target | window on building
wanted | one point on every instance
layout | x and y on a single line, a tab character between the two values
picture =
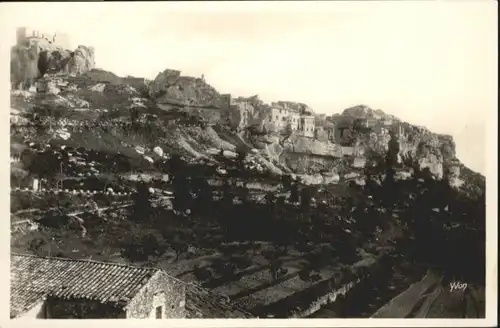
159	312
277	117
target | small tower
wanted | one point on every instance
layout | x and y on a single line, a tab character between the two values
21	34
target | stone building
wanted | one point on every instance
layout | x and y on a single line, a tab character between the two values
45	288
66	288
279	116
236	112
245	110
284	114
56	38
294	120
307	126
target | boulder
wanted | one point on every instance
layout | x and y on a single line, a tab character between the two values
229	154
158	151
433	163
359	163
213	151
331	178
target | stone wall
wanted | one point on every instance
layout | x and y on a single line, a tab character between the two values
36	312
82	309
306	126
326	299
56	38
161	290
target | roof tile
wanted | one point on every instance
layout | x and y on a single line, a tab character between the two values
34	277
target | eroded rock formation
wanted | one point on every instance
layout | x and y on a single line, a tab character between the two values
169	87
34	57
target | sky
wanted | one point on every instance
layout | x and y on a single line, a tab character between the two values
429	63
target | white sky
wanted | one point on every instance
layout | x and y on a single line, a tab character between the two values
429	63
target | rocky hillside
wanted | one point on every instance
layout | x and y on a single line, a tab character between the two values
99	110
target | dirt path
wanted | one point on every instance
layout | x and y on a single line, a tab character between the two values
427	303
79	212
415	301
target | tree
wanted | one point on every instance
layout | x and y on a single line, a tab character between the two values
227	196
242	153
182	195
18	175
44	165
139	247
294	193
286	179
142	209
274	268
305	199
177	240
175	165
284	237
204	194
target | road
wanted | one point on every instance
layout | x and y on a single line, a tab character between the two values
80	212
416	301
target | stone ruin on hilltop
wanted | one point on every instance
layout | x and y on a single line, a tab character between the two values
37	53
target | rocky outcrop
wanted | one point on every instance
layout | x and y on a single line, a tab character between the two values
300	144
365	112
433	151
169	87
429	150
36	57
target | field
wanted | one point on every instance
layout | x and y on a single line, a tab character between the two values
230	249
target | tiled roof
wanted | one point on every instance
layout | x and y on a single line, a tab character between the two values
33	278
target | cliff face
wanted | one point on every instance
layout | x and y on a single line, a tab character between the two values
433	151
369	130
369	134
35	57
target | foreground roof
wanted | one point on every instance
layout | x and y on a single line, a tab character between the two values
33	278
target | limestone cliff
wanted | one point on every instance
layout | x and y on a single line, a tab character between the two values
35	57
371	133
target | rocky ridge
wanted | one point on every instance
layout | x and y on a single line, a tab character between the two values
69	79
